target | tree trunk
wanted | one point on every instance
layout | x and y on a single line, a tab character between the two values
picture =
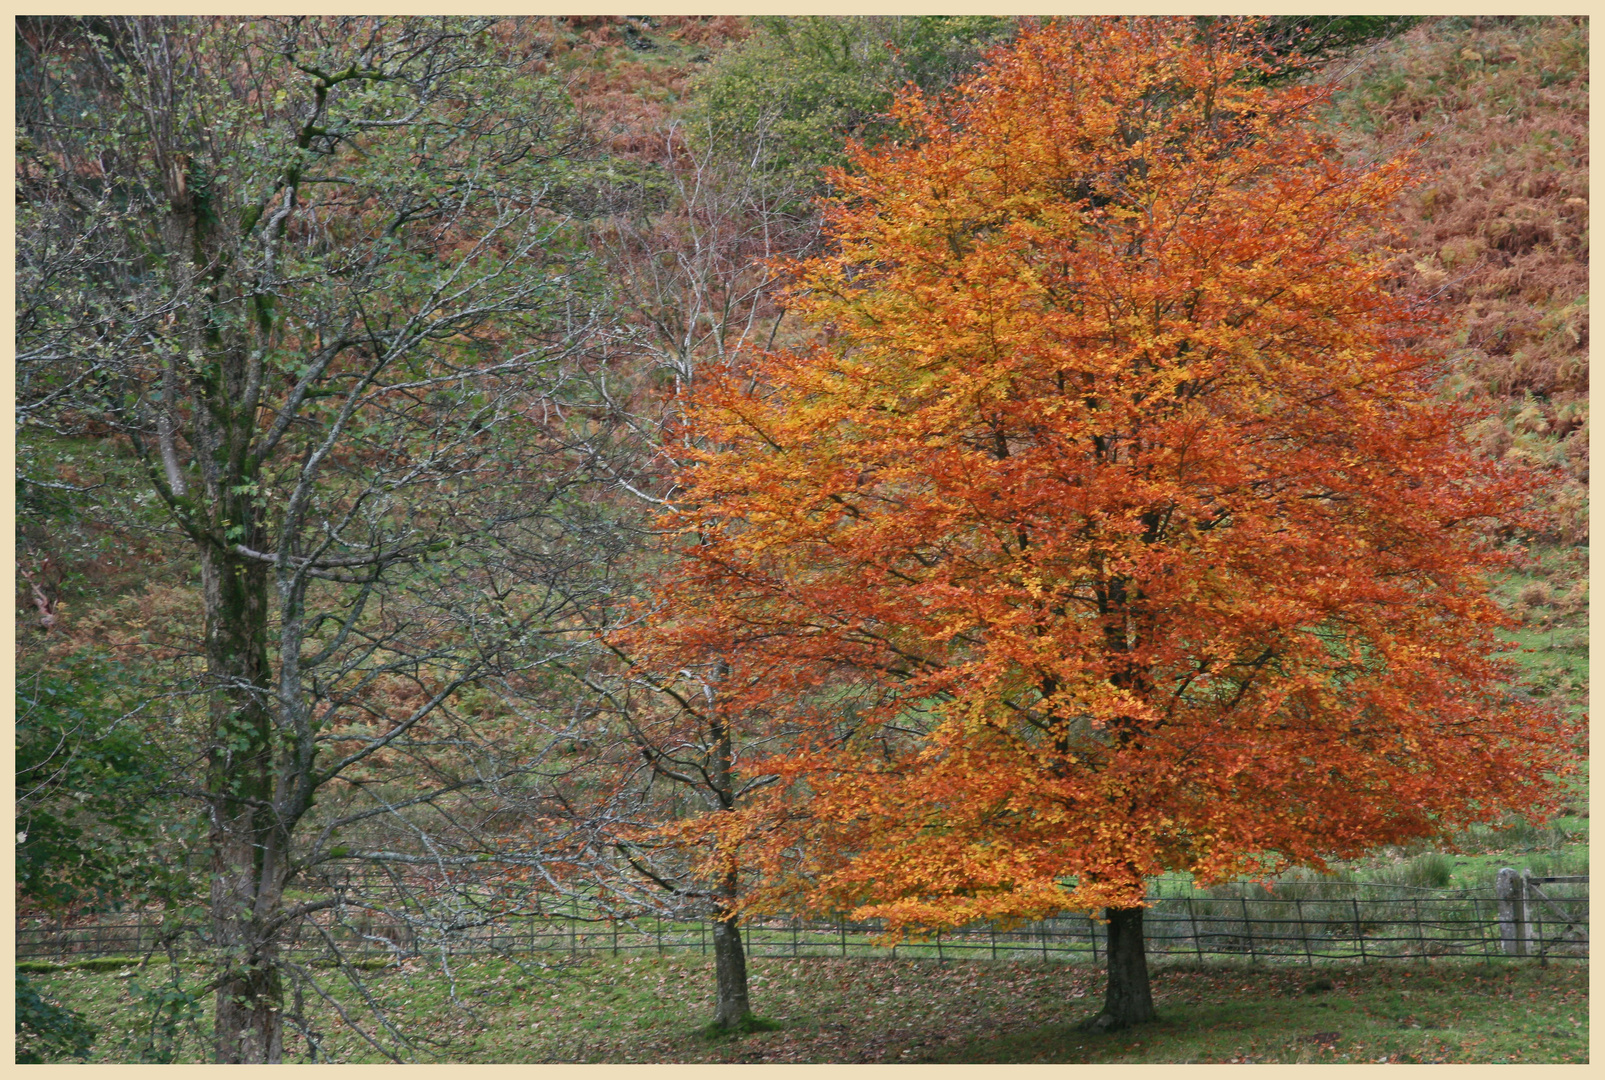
730	966
246	846
729	957
250	1016
1127	1000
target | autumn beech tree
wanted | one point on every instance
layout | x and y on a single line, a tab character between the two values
1111	524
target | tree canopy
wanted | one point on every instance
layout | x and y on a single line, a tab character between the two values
1112	523
792	95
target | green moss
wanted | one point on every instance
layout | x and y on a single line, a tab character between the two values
746	1026
107	963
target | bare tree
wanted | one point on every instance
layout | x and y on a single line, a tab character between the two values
312	271
693	281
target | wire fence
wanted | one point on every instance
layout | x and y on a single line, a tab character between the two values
1524	916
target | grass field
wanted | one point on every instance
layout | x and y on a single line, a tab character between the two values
651	1009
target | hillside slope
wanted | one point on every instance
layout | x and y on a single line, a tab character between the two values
1498	111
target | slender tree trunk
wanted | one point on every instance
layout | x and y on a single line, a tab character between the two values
730	967
1127	1000
729	956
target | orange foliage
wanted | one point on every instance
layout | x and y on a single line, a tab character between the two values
1112	526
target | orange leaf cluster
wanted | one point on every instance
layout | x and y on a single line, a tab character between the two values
1112	524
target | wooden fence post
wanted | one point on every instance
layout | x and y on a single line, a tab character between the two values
1512	912
1248	929
1482	929
1532	919
1359	931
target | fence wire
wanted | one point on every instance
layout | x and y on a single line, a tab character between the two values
1314	927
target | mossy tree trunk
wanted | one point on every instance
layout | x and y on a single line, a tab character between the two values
248	837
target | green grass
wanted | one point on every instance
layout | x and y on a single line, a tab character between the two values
1393	1013
716	1032
1559	847
646	1007
656	1009
1549	594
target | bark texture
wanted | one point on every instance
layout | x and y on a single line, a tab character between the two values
250	1024
729	957
730	966
247	839
1128	999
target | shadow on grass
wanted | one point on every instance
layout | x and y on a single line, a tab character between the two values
1071	1042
